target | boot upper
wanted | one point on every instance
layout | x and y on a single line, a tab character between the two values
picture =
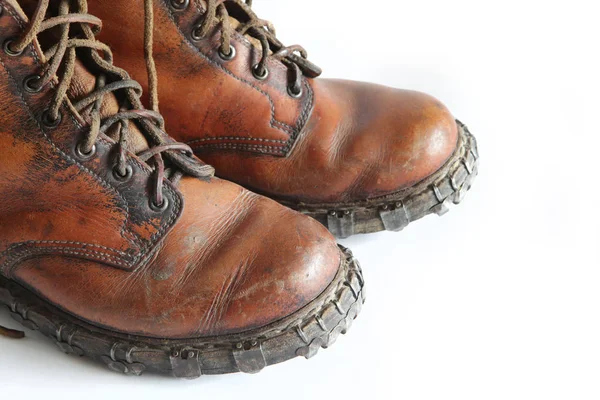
210	259
334	141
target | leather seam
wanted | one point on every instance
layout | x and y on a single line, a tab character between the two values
234	146
237	139
293	132
242	40
65	242
12	262
197	142
69	250
305	115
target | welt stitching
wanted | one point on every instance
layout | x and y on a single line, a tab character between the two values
293	131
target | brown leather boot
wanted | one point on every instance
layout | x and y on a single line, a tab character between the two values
116	242
357	157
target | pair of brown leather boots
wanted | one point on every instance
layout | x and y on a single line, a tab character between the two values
121	245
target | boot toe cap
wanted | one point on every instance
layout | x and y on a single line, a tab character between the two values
395	139
298	262
424	137
265	262
368	140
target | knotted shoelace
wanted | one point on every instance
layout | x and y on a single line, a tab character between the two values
61	58
217	14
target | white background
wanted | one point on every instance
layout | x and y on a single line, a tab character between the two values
500	298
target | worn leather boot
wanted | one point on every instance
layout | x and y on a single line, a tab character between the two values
117	243
357	157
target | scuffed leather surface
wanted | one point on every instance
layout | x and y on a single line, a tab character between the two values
219	260
234	262
359	141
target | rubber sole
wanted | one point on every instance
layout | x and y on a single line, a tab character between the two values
434	195
316	326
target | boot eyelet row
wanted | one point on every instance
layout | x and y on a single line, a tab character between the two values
82	155
49	122
228	57
159	208
260	75
179	5
10	51
123	178
29	84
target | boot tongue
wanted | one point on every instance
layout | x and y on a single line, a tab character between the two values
235	23
255	42
83	83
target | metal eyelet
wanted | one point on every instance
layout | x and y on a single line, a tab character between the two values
49	122
228	57
180	5
29	84
123	178
196	33
293	94
10	51
258	75
83	155
159	208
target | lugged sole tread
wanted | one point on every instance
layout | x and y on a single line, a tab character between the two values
434	195
316	326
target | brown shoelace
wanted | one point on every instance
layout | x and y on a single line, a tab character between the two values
62	56
11	333
217	14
